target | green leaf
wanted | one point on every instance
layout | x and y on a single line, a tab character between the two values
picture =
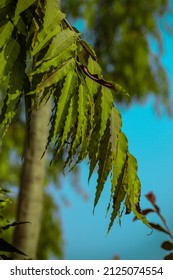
95	69
5	33
51	27
89	49
60	49
105	164
21	7
3	63
56	76
118	196
11	53
64	101
12	99
70	122
8	57
115	129
43	39
60	43
106	104
133	188
120	149
82	118
52	12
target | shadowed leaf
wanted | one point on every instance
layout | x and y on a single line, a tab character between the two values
169	257
167	245
158	227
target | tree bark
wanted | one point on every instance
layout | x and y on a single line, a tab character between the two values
30	199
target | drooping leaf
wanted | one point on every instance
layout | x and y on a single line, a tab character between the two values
64	100
82	117
118	196
119	159
133	191
105	164
106	104
70	122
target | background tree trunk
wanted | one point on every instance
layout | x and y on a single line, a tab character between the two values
30	200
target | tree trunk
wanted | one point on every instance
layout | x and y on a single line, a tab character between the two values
30	200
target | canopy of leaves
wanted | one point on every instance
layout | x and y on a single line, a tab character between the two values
43	56
122	32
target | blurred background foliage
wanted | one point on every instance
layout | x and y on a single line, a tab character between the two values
121	32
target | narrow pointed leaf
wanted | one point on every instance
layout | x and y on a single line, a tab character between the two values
118	196
106	105
80	134
121	148
105	164
11	53
5	33
70	121
94	68
64	101
55	76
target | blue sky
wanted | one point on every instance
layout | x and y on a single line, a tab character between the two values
150	141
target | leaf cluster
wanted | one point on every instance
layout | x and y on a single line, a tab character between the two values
42	56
